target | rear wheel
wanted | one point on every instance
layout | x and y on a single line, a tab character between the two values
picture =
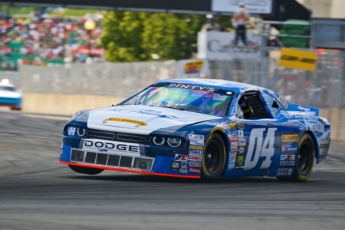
305	159
214	158
83	170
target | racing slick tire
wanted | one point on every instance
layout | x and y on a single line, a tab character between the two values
304	160
83	170
213	158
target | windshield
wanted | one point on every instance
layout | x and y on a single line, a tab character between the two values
8	88
198	99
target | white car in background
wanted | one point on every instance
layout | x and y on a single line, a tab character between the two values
9	96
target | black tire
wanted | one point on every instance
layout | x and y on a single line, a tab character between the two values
83	170
214	158
304	160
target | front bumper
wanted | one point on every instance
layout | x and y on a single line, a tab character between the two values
151	160
11	102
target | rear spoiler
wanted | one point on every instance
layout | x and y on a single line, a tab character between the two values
310	110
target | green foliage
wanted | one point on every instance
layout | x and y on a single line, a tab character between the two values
224	22
134	36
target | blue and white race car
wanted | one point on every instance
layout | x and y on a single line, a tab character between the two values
199	128
9	96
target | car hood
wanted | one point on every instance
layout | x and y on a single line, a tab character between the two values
9	94
142	119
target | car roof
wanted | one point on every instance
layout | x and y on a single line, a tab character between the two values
7	84
219	83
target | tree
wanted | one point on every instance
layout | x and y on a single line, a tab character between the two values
134	36
122	37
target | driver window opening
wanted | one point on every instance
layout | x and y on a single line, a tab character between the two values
275	105
252	106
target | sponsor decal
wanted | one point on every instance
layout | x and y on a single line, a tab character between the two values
240	160
283	101
111	146
234	146
194	158
234	137
179	157
71	130
193	152
240	133
183	168
241	149
115	119
288	147
284	172
193	87
232	125
196	147
194	163
194	170
297	115
260	146
175	166
223	125
241	142
290	138
324	143
196	139
232	156
287	160
240	125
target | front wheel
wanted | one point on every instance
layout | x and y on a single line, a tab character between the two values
304	160
214	158
83	170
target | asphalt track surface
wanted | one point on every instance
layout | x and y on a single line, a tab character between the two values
38	193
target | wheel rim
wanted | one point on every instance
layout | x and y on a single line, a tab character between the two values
212	157
304	160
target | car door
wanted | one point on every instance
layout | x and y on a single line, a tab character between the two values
259	134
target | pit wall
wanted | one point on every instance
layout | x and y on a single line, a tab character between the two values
62	104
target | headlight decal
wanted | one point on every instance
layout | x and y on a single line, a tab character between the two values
72	130
174	141
158	140
81	131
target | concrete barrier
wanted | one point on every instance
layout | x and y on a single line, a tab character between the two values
69	104
64	104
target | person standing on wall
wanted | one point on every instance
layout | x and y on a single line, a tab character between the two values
239	22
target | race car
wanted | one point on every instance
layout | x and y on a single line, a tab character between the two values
199	128
9	96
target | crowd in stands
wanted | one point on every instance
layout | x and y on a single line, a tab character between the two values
43	40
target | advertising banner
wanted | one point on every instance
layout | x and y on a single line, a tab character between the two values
253	6
193	66
218	46
298	59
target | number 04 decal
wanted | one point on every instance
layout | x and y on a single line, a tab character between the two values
260	148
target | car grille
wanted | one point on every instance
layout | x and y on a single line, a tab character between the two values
124	137
133	162
101	134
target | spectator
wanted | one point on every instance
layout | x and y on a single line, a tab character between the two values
39	40
239	20
211	24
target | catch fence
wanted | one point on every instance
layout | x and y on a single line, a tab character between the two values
323	88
